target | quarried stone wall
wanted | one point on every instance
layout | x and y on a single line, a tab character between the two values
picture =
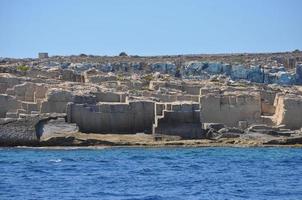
125	118
8	104
288	111
230	108
179	119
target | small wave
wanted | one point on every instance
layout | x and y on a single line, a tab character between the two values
55	160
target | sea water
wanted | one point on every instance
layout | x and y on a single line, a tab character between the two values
151	173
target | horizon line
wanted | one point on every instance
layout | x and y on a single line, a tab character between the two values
160	55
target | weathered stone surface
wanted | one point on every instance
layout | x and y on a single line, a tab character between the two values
16	132
168	68
26	130
132	94
181	119
288	111
215	126
70	75
8	103
299	74
57	126
230	108
132	117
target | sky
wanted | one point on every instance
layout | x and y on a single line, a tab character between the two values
148	27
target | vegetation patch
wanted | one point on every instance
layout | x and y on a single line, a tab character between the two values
23	68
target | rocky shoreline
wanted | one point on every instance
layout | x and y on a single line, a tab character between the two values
152	101
144	140
53	131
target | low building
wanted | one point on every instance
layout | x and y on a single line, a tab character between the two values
43	55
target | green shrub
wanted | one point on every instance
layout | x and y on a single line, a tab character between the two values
23	68
120	77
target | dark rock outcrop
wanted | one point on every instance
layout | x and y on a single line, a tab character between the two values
17	132
25	131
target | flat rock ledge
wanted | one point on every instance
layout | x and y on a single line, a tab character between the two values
146	140
52	130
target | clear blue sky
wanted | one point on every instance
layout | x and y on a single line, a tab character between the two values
148	27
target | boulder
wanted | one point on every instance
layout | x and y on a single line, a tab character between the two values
214	126
26	130
57	126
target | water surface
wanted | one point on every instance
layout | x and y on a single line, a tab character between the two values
151	173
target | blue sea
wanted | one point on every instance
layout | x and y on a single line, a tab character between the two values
151	173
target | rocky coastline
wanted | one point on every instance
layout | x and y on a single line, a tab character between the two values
26	132
188	100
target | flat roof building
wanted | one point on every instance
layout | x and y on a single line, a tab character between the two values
43	55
